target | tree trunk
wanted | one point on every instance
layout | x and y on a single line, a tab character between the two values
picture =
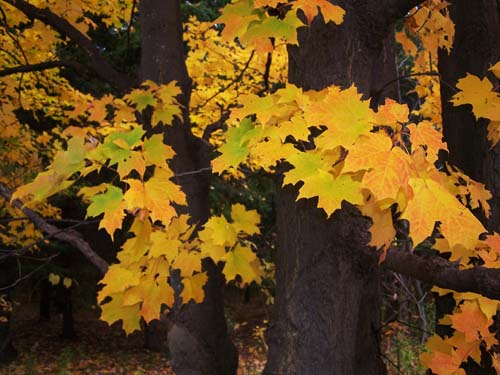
197	338
475	49
326	318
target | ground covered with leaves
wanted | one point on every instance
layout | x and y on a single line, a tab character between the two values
100	349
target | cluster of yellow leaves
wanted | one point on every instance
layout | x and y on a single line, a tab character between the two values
224	70
79	12
144	280
356	155
160	240
249	21
425	30
474	314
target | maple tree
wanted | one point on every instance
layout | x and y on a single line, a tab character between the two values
343	151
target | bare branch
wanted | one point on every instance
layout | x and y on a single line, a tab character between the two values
399	8
97	61
444	274
71	237
43	66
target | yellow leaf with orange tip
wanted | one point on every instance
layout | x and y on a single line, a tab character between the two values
345	115
236	17
391	114
193	287
390	176
242	261
368	151
493	241
471	321
114	310
430	203
311	8
442	358
156	195
479	196
425	135
382	230
465	348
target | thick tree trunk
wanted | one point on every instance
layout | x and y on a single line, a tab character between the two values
475	49
197	338
326	317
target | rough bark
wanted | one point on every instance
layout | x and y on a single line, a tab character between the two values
475	49
326	317
197	337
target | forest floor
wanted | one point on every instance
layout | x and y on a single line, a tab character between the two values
100	349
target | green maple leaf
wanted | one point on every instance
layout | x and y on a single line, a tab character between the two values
118	146
110	203
235	150
142	99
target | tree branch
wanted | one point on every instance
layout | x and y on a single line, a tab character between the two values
399	8
97	61
43	66
71	237
444	274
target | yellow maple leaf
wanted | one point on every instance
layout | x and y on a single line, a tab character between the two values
345	115
155	195
471	321
425	135
114	310
193	287
117	280
382	230
311	9
476	92
242	261
244	220
188	262
163	245
219	231
431	202
331	191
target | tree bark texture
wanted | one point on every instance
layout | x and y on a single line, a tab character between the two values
326	319
476	47
197	336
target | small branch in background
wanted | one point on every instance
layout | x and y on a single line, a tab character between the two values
219	124
69	236
29	274
80	68
223	89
